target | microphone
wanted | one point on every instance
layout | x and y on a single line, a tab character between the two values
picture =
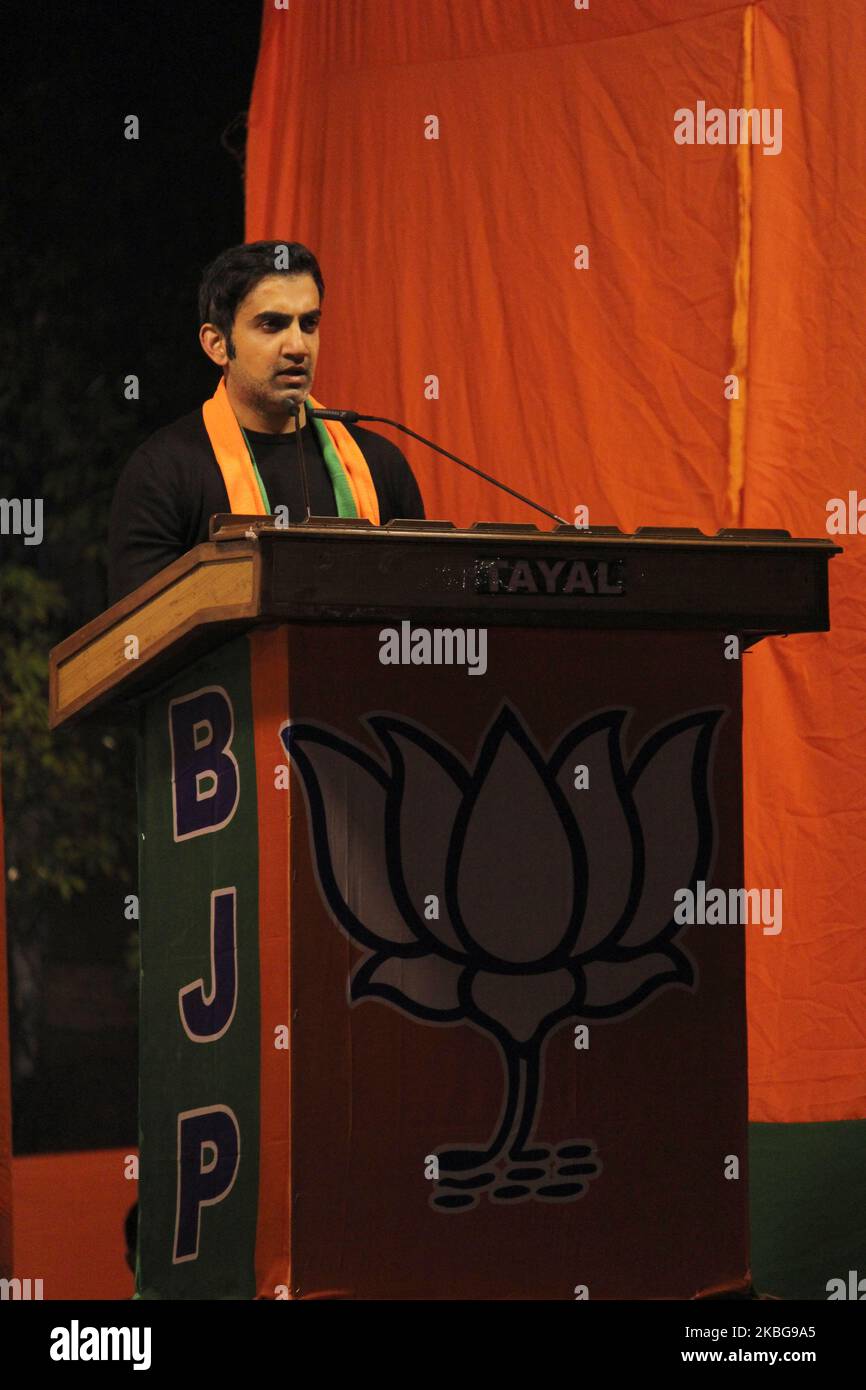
295	412
351	417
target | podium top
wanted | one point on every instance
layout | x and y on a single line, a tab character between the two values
335	570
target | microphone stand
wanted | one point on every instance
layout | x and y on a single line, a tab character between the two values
295	412
350	417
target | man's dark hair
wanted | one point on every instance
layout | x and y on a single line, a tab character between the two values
228	280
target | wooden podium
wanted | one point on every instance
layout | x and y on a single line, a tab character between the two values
432	1003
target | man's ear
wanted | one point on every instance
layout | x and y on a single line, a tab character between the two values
214	344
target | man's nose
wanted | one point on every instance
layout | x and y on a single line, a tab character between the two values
293	344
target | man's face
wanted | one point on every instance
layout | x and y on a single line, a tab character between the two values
276	344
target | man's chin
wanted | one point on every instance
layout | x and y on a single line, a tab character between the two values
282	403
289	393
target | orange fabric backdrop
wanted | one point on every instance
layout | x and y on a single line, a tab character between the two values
453	303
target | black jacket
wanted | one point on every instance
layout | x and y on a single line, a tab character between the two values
172	486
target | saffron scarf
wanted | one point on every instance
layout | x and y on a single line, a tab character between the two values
347	468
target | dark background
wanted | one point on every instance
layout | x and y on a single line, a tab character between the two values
102	244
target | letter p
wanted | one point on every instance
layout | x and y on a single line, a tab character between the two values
208	1156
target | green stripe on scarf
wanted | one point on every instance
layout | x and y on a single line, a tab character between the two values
336	472
266	502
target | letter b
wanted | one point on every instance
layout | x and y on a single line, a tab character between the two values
204	772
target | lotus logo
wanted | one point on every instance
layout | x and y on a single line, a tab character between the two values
504	897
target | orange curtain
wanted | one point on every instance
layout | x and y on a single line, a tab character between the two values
447	162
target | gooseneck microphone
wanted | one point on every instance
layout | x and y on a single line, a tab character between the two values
351	417
295	412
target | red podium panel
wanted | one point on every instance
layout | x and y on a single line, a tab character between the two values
486	975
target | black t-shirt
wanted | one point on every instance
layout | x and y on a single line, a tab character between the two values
172	486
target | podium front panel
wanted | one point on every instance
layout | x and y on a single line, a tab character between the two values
432	1004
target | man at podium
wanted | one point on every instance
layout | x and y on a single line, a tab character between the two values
260	307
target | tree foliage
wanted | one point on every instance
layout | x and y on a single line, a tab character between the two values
64	430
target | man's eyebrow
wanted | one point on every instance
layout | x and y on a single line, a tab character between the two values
279	317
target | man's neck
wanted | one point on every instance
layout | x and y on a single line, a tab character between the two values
278	423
